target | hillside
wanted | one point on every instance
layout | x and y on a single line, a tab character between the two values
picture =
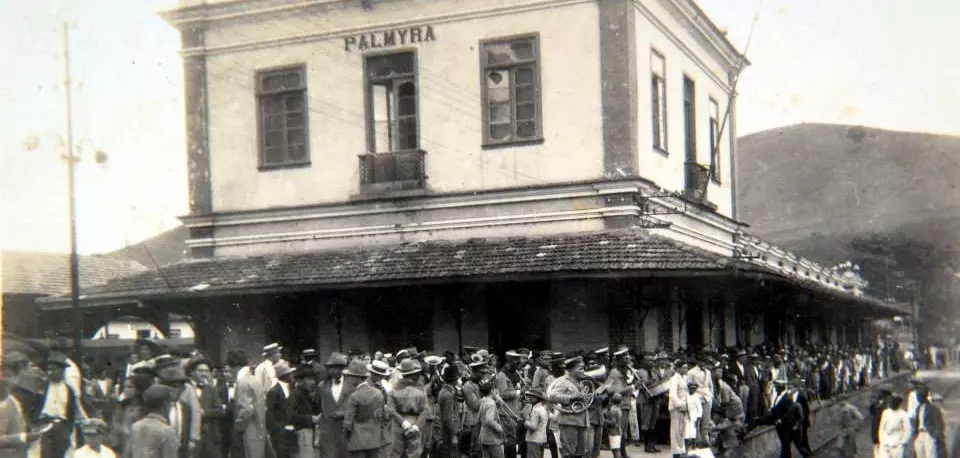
821	190
164	248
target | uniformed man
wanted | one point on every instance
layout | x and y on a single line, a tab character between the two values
573	426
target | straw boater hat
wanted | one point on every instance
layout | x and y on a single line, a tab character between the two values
337	359
409	366
602	351
433	360
513	355
272	349
476	361
309	354
622	351
379	368
356	368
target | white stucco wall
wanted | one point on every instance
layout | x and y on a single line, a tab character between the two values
449	79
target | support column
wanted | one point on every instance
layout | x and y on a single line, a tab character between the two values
197	131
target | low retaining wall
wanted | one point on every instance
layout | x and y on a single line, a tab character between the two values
763	441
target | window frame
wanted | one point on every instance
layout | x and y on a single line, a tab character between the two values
259	94
690	140
486	141
368	99
659	113
714	131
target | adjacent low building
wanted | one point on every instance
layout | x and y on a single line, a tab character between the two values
520	173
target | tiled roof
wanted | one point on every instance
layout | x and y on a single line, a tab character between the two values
49	273
627	250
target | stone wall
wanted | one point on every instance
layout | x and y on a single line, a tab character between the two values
763	442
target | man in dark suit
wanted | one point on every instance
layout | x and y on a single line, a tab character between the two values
282	432
790	417
213	406
366	421
930	441
333	392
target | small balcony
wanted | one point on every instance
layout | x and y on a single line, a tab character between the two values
697	180
392	172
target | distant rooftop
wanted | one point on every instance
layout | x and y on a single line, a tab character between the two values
49	273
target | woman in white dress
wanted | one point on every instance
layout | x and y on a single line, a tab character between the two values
894	430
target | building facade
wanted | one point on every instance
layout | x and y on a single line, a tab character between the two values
538	173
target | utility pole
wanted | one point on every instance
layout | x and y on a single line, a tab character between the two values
71	159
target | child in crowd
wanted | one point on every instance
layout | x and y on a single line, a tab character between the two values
93	431
536	424
694	414
612	417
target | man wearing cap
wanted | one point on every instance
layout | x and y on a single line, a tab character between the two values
61	402
265	373
623	381
93	430
14	437
409	410
573	426
153	437
250	437
649	374
543	371
366	420
334	391
471	398
283	435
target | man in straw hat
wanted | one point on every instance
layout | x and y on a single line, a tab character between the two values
480	369
411	412
366	420
573	426
341	380
677	404
265	373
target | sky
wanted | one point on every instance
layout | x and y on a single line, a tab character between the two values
885	64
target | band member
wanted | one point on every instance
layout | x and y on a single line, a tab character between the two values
573	426
535	424
651	374
471	398
542	371
366	419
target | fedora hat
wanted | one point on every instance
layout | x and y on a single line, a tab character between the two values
304	371
409	366
282	369
379	368
337	359
156	395
356	368
164	360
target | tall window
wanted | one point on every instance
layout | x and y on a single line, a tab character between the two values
714	138
658	101
282	104
690	119
392	93
511	91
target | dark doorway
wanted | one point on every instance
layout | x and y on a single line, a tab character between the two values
399	318
772	328
291	321
694	325
518	315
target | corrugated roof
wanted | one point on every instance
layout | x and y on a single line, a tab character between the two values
49	273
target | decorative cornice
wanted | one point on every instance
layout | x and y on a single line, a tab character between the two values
535	5
710	32
670	35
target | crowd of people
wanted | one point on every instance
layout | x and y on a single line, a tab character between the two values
474	403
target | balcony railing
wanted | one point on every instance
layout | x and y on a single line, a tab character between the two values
397	171
698	178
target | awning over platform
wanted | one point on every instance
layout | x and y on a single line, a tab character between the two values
621	253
